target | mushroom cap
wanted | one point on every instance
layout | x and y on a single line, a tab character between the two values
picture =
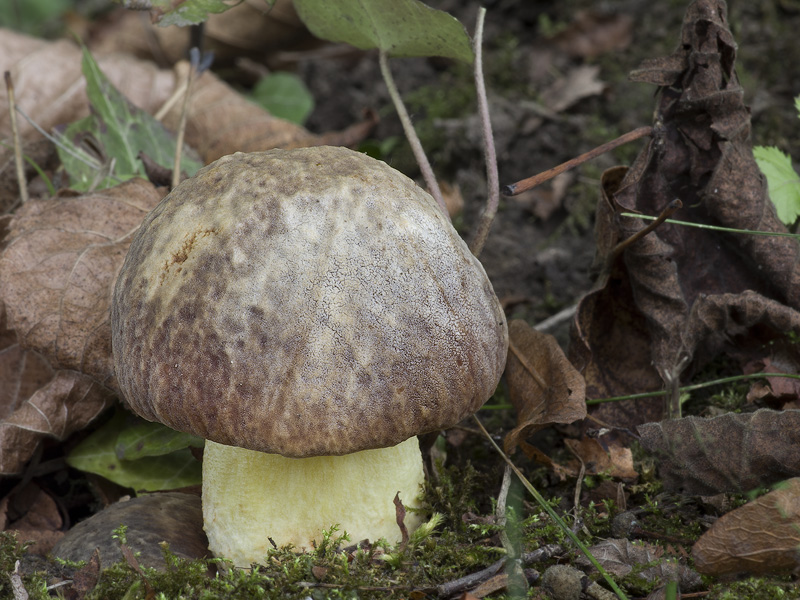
304	302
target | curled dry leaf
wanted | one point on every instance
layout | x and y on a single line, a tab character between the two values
62	406
58	264
610	344
759	538
729	453
544	386
671	281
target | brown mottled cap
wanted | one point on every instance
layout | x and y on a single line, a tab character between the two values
304	302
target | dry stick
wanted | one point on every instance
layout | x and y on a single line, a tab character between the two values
626	243
411	135
492	180
176	165
12	113
463	584
532	182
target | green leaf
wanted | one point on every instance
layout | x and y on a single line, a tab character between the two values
97	454
398	27
144	438
797	104
285	96
103	149
783	182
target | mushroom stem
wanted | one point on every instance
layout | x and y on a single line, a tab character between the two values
251	497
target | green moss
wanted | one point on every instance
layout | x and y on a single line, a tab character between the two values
755	589
11	551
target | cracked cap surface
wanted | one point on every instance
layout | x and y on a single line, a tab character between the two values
304	302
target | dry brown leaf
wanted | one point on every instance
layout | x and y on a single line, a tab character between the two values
620	557
58	264
729	453
612	458
221	121
682	295
252	28
22	371
593	33
39	519
579	83
64	405
544	387
610	343
761	537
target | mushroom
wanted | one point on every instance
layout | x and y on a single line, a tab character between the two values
308	312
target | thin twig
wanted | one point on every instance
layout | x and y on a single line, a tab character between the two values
468	582
532	182
670	209
411	135
176	164
492	179
12	114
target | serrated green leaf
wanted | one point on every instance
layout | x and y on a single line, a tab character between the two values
285	96
783	182
97	454
111	138
143	438
399	27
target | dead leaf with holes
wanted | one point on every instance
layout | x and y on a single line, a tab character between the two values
762	537
729	453
544	387
680	296
58	263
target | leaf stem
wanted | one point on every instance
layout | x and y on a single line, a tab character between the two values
492	179
693	387
713	227
531	182
411	135
22	182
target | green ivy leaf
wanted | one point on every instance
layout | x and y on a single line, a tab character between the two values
143	438
98	454
398	27
110	139
285	96
782	179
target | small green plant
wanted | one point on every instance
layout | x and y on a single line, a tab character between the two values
782	179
